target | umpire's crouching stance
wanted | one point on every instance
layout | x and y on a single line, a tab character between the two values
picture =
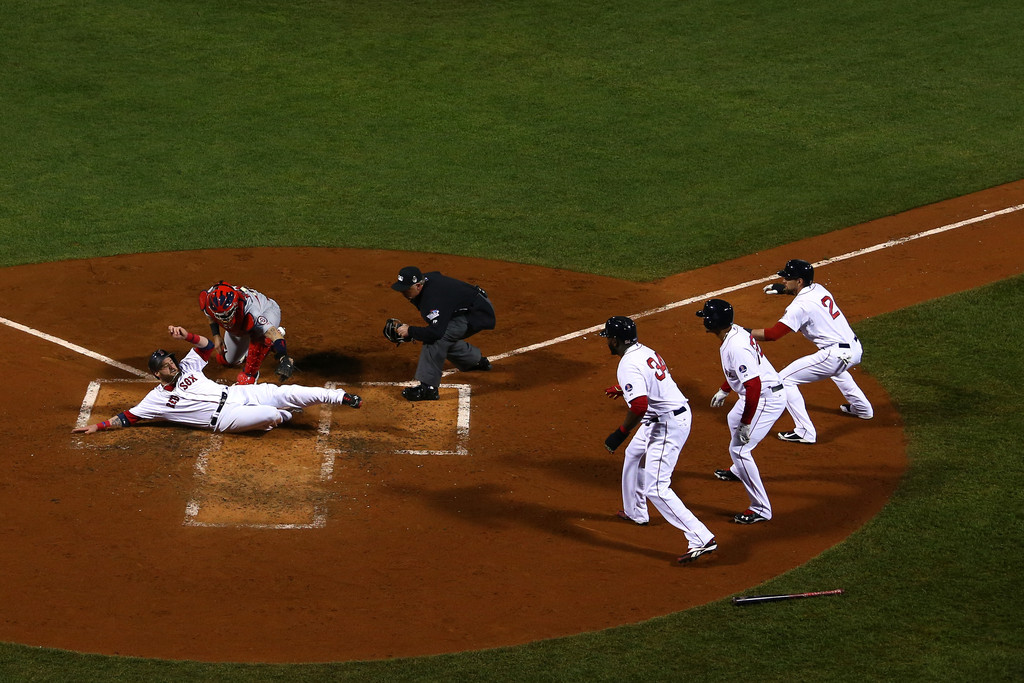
453	311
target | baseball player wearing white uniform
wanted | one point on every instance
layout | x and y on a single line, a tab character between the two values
751	375
186	396
660	410
815	313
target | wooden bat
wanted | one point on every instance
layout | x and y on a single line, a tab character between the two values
752	599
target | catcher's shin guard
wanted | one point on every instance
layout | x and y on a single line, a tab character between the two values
254	359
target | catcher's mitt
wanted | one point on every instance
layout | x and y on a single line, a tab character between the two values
285	367
391	331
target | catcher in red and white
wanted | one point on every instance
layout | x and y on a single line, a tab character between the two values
251	328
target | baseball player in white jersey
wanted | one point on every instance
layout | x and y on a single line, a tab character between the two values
657	405
751	375
186	396
815	313
251	324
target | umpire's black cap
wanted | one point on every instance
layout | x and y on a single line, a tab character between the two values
407	277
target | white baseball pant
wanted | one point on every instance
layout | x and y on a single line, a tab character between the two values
261	407
769	409
824	363
657	446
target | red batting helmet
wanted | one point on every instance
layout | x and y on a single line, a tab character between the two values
222	300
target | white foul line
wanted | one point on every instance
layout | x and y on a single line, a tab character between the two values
708	295
74	347
595	328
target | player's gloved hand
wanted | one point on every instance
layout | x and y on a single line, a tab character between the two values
285	367
844	357
613	392
718	400
352	400
615	440
777	288
743	434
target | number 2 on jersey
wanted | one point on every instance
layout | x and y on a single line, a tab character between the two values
658	366
827	302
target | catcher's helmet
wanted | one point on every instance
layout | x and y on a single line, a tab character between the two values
222	300
795	268
156	359
620	327
717	314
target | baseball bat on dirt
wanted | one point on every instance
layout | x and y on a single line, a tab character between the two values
752	599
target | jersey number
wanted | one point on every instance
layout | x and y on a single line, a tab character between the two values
757	349
658	366
827	302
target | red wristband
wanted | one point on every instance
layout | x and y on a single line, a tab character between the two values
102	425
192	339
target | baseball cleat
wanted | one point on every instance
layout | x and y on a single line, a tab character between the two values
726	475
845	409
623	516
693	553
422	392
793	437
749	517
246	379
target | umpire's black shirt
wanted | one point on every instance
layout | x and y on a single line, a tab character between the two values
441	299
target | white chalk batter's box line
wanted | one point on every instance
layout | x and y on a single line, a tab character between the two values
329	455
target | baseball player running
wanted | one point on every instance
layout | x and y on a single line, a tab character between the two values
186	396
815	313
750	374
251	323
656	404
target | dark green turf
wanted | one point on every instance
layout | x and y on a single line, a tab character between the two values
634	141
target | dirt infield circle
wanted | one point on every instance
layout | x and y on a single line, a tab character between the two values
486	519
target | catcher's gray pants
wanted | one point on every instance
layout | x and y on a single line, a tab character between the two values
451	346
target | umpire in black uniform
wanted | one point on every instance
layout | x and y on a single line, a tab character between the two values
453	311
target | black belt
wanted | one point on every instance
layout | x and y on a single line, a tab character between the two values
776	388
220	407
655	418
846	346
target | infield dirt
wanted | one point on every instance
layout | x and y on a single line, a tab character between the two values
512	541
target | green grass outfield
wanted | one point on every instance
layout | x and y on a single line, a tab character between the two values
595	136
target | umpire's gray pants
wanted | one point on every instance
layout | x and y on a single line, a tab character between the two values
451	345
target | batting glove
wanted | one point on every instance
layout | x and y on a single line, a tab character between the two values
613	392
777	288
718	400
615	440
743	434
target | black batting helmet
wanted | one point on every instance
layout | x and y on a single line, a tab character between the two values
156	359
795	268
717	314
620	327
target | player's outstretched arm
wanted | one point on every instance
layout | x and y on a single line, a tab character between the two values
116	422
197	340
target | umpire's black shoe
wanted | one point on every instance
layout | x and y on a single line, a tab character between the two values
423	392
483	365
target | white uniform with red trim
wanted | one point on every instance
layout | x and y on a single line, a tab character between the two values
742	361
657	443
197	400
815	314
